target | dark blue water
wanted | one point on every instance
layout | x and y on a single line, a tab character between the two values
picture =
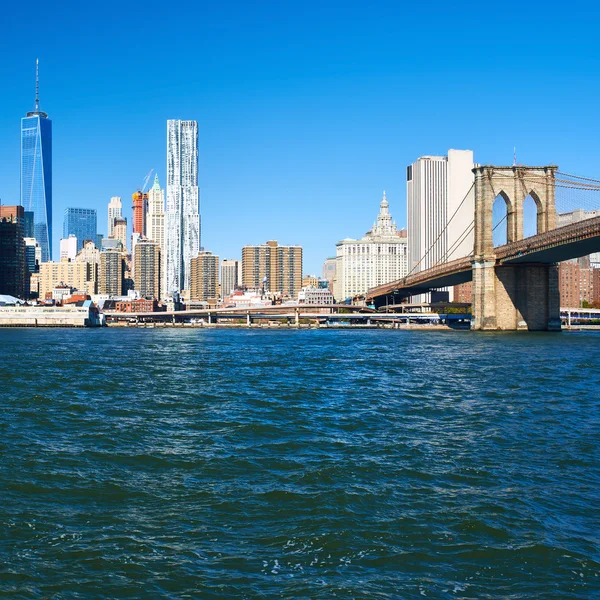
299	464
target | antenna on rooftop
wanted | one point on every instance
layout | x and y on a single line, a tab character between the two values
37	85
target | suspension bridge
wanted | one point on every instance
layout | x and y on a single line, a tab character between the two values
514	284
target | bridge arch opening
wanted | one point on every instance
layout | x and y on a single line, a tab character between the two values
532	215
501	211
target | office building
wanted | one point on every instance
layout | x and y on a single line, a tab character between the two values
33	255
273	268
82	223
204	280
138	212
182	218
328	270
36	172
120	231
68	248
147	269
13	271
28	224
440	208
115	210
229	276
155	224
89	254
379	257
111	277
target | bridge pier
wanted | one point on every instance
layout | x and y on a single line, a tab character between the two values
520	296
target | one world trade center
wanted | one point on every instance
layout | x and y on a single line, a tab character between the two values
36	172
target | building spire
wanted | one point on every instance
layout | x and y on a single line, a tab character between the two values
37	85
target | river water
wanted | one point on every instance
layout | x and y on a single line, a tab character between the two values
299	464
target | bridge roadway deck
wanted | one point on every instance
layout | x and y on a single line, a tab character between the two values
261	312
563	243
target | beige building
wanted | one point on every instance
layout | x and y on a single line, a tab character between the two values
274	268
120	230
89	253
111	277
79	275
155	224
147	269
205	278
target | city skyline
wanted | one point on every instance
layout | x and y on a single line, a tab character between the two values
325	109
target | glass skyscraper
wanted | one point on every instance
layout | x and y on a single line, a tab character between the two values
36	173
82	223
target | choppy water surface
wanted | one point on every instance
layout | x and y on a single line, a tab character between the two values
299	464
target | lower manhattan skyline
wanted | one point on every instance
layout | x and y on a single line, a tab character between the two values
319	107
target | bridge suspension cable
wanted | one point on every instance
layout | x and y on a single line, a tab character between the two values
443	230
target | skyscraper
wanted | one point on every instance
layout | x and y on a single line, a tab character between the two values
138	212
36	171
440	205
115	209
155	224
229	276
82	223
13	270
182	222
147	278
204	279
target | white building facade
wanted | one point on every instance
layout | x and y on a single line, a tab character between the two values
182	217
379	257
115	209
155	224
440	207
68	248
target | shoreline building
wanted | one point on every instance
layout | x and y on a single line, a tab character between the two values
229	276
82	223
147	269
115	210
36	172
273	268
378	258
182	217
204	285
440	207
13	269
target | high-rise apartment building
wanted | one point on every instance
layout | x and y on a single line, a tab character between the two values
138	212
377	258
78	275
13	271
440	208
120	230
82	223
147	269
36	172
115	210
182	219
328	271
273	268
204	280
111	278
229	276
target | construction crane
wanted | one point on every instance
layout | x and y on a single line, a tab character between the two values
146	180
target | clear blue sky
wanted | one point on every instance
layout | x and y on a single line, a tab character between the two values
306	110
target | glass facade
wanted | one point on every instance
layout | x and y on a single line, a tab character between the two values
82	223
36	176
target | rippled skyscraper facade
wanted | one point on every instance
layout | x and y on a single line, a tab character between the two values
182	217
36	174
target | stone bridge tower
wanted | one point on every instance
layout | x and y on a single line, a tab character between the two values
518	295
